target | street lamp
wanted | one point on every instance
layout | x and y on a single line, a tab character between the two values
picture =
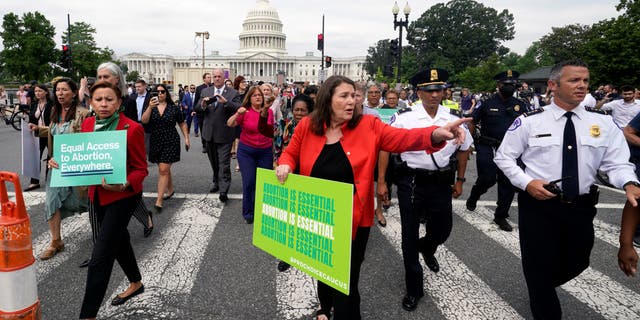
400	23
204	35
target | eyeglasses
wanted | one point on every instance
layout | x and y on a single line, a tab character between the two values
162	91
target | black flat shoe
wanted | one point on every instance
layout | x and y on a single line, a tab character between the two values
223	197
84	264
32	187
120	300
410	303
147	231
158	208
283	266
432	263
169	196
382	223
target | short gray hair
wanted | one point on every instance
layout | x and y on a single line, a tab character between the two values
116	72
556	71
372	84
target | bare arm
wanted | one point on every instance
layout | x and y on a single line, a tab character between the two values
631	135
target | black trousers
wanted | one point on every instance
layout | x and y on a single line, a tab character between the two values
112	244
220	159
422	199
488	175
555	241
346	306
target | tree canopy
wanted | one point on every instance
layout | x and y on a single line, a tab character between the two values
86	55
460	34
28	47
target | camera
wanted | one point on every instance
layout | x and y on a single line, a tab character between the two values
212	100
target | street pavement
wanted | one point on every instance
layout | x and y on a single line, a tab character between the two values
200	263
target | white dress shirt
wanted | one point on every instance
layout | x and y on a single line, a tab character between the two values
621	112
538	139
419	118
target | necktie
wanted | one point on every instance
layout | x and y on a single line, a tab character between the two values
570	186
218	92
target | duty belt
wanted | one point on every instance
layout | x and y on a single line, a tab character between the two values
444	175
489	141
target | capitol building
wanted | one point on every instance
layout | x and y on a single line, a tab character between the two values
262	56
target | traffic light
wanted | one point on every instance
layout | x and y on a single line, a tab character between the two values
388	71
327	61
320	41
65	60
393	47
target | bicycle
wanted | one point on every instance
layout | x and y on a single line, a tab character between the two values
12	115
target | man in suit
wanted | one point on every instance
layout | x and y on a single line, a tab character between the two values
187	102
141	97
217	104
206	78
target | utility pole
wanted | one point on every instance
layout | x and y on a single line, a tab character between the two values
322	57
69	44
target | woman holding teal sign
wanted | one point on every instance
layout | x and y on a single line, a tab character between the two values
61	202
113	204
336	142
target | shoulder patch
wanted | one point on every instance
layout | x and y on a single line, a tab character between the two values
515	124
534	112
603	112
403	110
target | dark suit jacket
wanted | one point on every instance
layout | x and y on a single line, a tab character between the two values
187	103
198	92
215	127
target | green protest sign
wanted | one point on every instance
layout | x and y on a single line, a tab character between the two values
85	158
385	114
306	222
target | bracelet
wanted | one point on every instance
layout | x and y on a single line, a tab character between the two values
463	179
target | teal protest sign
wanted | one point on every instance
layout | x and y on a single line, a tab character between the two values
306	222
85	158
385	114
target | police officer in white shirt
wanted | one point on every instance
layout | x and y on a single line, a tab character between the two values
556	219
426	182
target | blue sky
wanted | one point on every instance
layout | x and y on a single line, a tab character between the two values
168	27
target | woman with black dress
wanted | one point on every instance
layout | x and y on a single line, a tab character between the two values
161	118
329	144
40	117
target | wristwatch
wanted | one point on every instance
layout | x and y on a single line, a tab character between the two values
463	179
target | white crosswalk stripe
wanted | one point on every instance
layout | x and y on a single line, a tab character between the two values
170	269
598	291
172	264
457	291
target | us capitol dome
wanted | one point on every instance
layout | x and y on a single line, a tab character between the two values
262	55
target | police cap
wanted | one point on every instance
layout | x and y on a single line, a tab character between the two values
508	76
430	79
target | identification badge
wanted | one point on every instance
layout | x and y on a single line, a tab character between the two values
595	130
516	108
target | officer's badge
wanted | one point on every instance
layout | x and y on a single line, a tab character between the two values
595	130
516	108
510	75
434	75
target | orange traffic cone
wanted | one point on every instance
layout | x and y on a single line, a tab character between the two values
19	287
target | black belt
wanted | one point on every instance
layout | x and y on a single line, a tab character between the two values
489	141
584	200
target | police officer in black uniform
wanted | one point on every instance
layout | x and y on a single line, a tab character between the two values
494	116
426	182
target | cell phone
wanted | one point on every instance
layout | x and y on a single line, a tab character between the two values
154	94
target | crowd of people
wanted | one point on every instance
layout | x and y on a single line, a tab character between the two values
418	138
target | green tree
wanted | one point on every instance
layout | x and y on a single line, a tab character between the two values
459	34
132	76
29	47
565	42
480	78
86	55
378	57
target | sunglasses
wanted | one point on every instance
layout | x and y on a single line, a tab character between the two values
162	91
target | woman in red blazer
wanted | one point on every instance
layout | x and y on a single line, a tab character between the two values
337	142
113	204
